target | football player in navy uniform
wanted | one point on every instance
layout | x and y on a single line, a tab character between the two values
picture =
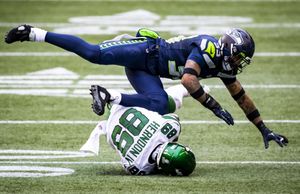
147	57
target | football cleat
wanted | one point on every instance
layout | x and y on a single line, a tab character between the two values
20	33
100	98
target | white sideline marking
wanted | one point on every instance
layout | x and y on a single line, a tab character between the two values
36	54
182	122
61	82
117	162
40	154
157	0
67	54
54	152
277	54
30	171
82	90
39	92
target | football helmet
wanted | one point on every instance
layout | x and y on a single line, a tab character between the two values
237	48
176	159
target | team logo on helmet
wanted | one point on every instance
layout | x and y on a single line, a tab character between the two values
237	48
236	36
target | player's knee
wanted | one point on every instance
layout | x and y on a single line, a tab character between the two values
159	103
92	56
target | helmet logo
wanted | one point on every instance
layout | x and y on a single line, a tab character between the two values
236	36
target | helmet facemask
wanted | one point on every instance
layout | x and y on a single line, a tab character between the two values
238	62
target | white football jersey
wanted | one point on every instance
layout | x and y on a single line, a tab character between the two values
135	132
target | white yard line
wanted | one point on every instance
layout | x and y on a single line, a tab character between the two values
67	54
95	122
83	89
36	54
72	1
117	162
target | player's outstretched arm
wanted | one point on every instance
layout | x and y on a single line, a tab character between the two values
190	81
247	105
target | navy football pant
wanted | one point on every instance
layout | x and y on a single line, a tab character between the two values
132	56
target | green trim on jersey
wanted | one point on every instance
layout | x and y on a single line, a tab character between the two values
122	42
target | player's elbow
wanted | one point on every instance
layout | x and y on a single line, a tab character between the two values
92	57
185	80
188	81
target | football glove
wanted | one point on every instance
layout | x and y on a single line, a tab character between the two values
269	135
223	114
216	108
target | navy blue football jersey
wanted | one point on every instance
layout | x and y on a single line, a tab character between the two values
203	49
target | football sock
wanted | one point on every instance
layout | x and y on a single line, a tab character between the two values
37	35
115	96
177	92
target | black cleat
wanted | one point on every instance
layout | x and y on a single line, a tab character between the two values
20	33
100	98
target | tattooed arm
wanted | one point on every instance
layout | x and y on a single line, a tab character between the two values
244	101
190	81
237	92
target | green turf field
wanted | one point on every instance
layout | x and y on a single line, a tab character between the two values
230	159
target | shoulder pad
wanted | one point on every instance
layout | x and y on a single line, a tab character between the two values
144	32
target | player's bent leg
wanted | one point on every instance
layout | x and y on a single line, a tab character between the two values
67	42
154	102
151	94
130	53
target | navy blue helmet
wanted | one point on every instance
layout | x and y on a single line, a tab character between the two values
237	48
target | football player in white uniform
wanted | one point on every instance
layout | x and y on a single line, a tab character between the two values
145	140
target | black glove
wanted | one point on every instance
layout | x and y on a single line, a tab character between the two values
269	135
214	106
223	114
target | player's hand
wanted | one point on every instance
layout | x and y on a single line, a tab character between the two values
223	114
216	108
268	135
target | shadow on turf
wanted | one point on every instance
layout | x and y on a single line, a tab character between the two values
121	172
111	171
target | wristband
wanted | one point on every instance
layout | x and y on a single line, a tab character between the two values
260	125
210	103
253	115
